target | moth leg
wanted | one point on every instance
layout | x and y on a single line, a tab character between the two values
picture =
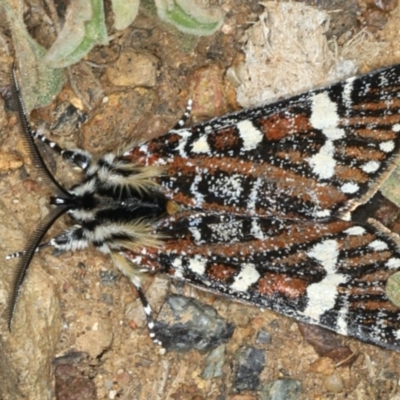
185	115
18	254
78	157
128	270
69	240
72	239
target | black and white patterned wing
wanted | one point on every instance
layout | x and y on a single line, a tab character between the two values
331	274
316	155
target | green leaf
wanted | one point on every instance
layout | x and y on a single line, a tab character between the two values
39	82
125	11
84	28
189	17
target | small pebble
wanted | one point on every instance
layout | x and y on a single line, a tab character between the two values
281	389
263	337
250	363
334	383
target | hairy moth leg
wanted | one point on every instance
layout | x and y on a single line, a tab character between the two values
79	157
69	240
128	269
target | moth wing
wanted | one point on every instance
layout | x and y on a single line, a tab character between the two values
316	155
330	274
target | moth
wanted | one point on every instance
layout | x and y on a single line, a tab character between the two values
256	205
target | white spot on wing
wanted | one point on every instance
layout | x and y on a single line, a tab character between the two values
322	295
396	128
324	116
371	166
326	253
323	213
246	277
387	147
378	245
355	231
250	135
393	263
349	187
323	163
177	264
197	265
201	145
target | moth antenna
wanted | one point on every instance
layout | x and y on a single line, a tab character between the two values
28	136
26	257
44	226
